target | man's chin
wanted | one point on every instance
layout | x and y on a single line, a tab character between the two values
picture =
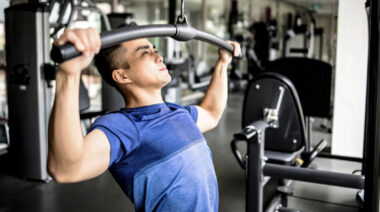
168	80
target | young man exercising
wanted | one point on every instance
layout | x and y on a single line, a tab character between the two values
154	150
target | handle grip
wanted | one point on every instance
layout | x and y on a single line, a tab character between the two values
237	153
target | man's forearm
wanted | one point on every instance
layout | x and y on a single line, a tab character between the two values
216	95
65	134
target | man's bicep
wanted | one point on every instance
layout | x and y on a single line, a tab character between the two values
96	157
205	121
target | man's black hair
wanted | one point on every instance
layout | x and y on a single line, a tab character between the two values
110	59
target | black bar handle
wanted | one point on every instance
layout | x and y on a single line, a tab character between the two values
180	32
247	133
237	154
252	129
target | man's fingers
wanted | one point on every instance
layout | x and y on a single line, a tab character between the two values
82	34
97	39
94	40
86	41
75	39
70	36
61	40
237	49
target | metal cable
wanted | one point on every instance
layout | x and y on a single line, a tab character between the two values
182	17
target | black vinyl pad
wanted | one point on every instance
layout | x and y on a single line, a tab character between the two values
262	92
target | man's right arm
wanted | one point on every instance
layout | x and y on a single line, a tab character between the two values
72	157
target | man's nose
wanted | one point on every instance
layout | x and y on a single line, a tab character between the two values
159	58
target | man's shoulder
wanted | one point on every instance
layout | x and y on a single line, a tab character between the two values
178	106
113	119
173	105
113	115
117	123
190	109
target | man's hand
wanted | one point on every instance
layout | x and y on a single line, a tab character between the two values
225	56
86	41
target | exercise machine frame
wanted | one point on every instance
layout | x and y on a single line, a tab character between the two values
257	168
371	153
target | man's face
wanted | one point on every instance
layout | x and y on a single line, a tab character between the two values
147	69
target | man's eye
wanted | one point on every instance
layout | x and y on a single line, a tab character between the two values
155	51
145	53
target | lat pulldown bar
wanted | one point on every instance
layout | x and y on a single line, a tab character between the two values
180	32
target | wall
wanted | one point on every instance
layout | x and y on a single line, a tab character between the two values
350	79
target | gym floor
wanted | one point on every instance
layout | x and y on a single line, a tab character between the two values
103	194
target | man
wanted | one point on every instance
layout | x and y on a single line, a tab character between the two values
155	150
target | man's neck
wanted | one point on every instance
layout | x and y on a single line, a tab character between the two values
140	98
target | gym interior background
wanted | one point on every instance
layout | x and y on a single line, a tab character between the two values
332	32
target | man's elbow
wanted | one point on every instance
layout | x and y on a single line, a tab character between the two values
56	175
212	124
64	178
60	176
215	122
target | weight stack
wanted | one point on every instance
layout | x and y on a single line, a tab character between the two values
28	95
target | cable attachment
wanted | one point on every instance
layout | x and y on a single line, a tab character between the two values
182	18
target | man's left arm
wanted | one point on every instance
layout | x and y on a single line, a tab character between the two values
211	108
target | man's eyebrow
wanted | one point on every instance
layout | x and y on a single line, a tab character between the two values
144	47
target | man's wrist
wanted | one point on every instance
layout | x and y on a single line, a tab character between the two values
67	77
72	73
223	61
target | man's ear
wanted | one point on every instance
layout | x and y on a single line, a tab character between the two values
120	76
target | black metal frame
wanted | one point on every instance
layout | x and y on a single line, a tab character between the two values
254	135
371	152
26	55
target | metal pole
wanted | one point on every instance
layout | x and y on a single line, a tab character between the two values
204	19
308	134
115	3
251	10
172	9
314	176
372	133
254	187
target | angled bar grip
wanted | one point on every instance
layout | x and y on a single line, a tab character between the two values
245	135
237	153
180	32
251	130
